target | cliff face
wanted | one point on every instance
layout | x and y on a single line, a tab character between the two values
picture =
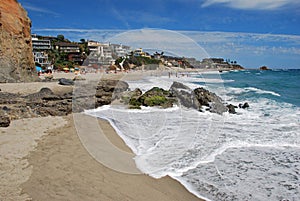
16	58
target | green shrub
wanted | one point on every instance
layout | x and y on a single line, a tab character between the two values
134	102
155	100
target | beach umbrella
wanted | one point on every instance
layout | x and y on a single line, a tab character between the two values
38	69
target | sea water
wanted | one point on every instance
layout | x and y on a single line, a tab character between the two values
251	155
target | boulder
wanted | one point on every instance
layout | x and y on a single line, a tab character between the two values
244	106
231	108
130	95
197	98
109	90
44	94
4	119
155	97
209	99
184	95
64	81
264	68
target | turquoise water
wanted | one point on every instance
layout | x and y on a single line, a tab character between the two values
284	83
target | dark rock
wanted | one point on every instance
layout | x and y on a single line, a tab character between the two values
127	96
184	95
44	93
109	90
197	98
9	98
244	106
64	81
5	108
179	85
264	68
209	99
4	119
231	108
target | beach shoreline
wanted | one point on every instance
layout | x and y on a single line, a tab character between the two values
55	165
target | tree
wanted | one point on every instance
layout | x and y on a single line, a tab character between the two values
82	40
61	37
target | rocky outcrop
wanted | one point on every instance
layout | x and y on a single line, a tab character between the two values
184	95
16	58
109	90
198	98
64	81
42	103
264	68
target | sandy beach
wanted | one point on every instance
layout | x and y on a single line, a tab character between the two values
43	159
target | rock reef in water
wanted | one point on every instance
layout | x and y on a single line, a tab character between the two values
16	58
264	68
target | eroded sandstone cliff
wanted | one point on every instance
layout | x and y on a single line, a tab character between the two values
16	58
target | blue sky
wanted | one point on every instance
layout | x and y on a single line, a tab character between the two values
255	32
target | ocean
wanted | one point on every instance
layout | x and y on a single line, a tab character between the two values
251	155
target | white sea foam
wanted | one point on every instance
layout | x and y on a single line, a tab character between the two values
259	91
200	149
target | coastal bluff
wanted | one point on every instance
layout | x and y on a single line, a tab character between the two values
16	58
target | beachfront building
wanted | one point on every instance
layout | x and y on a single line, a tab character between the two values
67	47
39	49
120	50
93	45
41	58
101	54
72	51
140	53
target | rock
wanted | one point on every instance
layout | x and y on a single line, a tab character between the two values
5	108
264	68
179	85
244	106
130	95
209	99
231	108
184	95
9	98
16	58
156	97
4	119
109	90
64	81
197	98
44	93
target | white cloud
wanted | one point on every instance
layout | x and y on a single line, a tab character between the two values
252	4
248	48
39	9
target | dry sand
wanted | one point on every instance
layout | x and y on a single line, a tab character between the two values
43	159
64	170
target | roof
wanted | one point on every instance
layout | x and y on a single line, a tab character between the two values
65	44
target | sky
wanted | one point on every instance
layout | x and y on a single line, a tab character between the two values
252	32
